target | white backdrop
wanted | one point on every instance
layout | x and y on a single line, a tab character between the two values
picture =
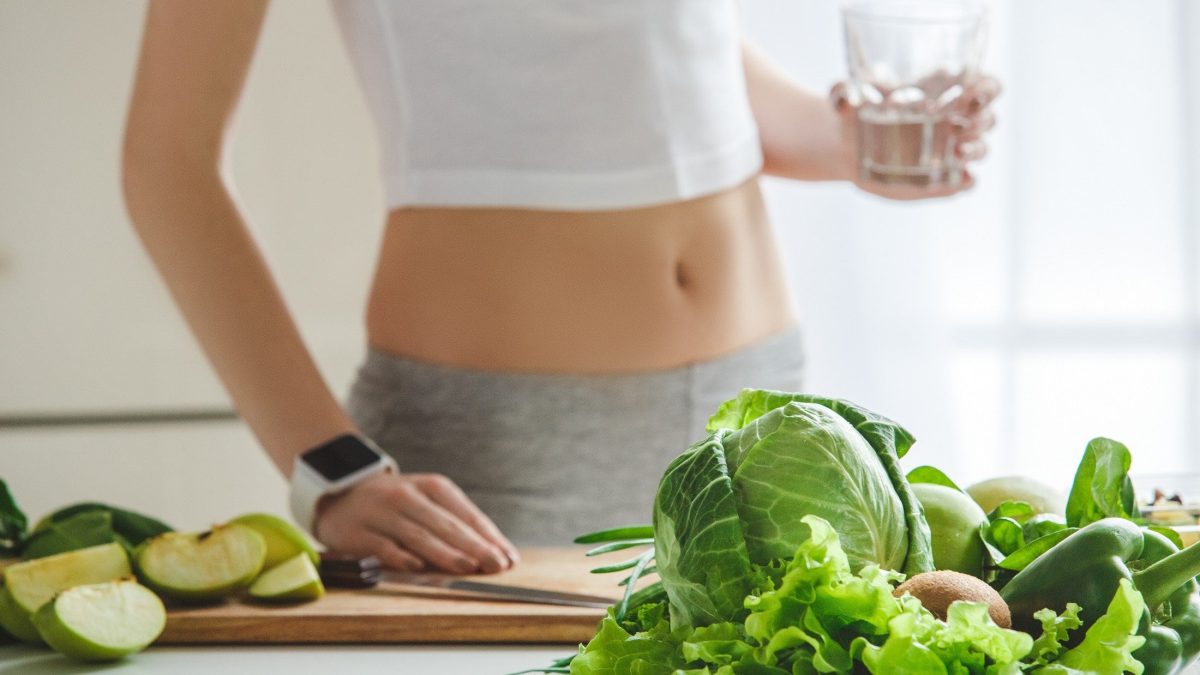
1057	301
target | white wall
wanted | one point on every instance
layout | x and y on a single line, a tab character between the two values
89	329
92	311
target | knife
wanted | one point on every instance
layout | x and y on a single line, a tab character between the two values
341	571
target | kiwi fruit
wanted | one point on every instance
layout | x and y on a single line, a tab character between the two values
937	590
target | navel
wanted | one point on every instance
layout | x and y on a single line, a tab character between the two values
682	278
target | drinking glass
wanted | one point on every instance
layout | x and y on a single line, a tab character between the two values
911	63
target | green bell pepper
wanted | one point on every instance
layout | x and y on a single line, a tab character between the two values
1087	567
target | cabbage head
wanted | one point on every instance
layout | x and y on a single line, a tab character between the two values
733	503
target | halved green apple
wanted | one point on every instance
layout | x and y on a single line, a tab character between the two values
15	621
5	636
294	579
28	585
202	565
284	540
101	622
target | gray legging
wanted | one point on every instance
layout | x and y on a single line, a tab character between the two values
550	457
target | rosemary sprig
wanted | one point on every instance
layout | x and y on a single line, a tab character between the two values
638	569
649	570
618	546
617	534
623	565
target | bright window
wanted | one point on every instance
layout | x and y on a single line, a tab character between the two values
1060	300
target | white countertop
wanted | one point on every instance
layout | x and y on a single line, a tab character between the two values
296	660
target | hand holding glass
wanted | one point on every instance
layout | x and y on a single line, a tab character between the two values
912	68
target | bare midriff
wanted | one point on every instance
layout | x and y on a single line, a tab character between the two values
579	291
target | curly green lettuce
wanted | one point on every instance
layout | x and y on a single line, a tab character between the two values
813	614
1109	644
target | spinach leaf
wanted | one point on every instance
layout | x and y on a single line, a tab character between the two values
1102	488
1020	558
84	529
1005	534
930	474
1015	510
133	526
1004	531
12	523
1041	525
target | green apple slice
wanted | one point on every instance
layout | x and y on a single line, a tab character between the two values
15	621
203	565
5	636
28	585
284	540
293	579
101	622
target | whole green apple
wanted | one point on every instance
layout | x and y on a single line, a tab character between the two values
954	520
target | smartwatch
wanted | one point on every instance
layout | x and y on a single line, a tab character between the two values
333	467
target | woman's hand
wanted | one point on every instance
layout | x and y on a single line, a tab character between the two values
411	522
804	138
971	117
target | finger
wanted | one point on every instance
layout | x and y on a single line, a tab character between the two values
415	538
447	527
364	542
987	121
970	151
968	180
390	554
839	96
447	494
450	496
972	127
982	93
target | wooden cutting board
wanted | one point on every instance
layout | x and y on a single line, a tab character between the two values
387	616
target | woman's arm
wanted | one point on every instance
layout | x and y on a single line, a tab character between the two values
801	133
809	137
193	64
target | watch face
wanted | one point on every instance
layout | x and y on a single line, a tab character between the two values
340	457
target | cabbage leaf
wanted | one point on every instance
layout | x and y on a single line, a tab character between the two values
737	500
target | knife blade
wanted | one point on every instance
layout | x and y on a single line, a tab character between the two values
490	591
368	572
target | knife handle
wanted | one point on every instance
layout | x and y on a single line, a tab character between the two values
339	570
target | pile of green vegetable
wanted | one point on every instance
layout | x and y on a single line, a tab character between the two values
813	615
780	538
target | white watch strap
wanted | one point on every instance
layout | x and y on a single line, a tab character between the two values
308	486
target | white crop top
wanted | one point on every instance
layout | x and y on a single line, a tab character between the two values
553	104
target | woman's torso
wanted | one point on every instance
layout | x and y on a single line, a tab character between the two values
571	184
579	291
